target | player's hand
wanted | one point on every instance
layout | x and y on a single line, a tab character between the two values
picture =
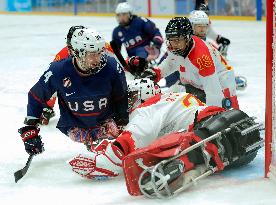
137	64
31	139
153	53
222	40
149	73
46	115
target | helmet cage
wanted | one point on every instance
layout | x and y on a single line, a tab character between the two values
84	44
140	90
87	67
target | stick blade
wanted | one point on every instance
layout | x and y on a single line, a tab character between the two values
18	175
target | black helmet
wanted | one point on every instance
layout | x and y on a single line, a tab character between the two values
179	27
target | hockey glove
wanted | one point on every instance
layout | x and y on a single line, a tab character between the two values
137	65
223	45
46	115
31	139
102	165
222	40
149	73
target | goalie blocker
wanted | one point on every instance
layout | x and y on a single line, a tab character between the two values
176	161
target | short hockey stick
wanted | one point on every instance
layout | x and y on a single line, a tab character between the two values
20	173
118	54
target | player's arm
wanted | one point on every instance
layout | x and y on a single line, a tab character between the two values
156	39
151	30
119	96
38	95
212	34
115	38
166	68
222	41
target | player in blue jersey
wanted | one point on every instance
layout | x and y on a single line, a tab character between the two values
91	89
139	35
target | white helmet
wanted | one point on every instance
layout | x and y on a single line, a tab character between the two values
124	7
198	17
140	90
86	40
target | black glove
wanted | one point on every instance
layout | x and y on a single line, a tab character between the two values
222	40
149	73
46	115
223	45
31	139
137	65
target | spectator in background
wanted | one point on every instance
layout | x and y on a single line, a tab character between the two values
199	2
240	8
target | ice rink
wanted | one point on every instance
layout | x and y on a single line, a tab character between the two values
29	44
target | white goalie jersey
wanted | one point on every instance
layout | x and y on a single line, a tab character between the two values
162	114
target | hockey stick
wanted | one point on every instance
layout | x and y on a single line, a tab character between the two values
121	59
20	173
118	54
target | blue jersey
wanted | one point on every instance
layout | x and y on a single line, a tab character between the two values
138	34
84	102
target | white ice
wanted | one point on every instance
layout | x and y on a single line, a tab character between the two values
28	45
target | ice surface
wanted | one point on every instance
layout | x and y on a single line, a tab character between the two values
28	45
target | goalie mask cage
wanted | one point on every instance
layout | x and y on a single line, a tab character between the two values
270	128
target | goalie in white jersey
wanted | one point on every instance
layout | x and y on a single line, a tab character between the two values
198	65
152	117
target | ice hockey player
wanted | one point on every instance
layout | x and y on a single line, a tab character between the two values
48	111
200	22
223	42
155	116
139	35
197	65
91	90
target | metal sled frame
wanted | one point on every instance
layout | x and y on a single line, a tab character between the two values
158	187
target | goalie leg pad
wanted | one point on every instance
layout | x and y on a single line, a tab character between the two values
233	144
142	159
146	169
